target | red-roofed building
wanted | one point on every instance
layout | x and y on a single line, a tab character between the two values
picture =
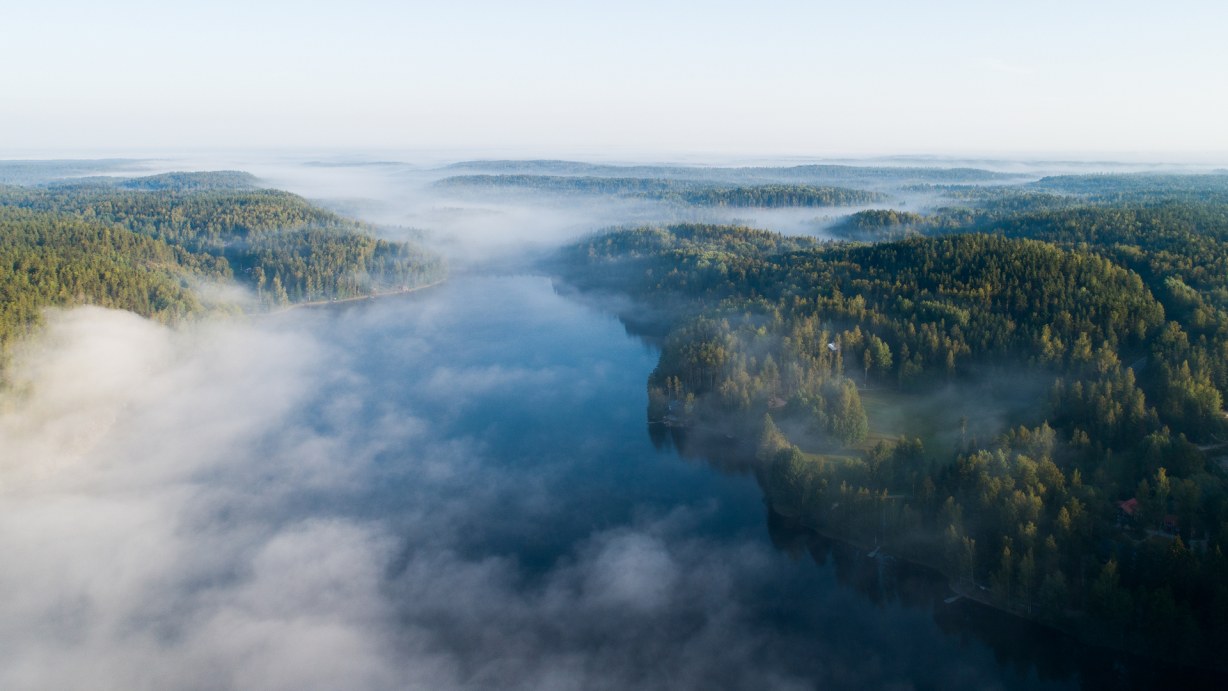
1126	512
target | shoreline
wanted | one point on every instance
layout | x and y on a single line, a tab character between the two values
959	588
1073	624
339	301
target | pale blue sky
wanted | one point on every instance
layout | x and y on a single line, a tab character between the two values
1142	79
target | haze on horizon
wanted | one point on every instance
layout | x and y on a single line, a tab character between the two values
1130	80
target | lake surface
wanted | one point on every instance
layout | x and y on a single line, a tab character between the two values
542	537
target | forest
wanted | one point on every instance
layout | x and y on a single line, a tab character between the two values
814	174
1023	388
692	192
149	244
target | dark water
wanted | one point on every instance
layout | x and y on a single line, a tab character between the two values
548	538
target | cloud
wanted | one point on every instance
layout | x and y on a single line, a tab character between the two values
145	515
207	531
254	504
632	607
457	382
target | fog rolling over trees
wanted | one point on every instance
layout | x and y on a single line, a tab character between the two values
637	345
1111	292
554	467
154	245
249	506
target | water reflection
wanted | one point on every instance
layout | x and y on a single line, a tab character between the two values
557	537
1020	647
724	452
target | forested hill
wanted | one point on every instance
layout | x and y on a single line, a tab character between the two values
1136	186
815	174
689	260
147	244
176	181
1037	410
692	192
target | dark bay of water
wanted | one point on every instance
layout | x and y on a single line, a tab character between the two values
545	539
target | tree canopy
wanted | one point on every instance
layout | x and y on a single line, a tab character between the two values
1106	312
148	244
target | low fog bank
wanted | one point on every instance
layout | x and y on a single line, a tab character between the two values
510	228
182	510
237	505
250	505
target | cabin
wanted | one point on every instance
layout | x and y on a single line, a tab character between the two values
1126	511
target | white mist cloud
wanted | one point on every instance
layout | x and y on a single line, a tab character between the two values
192	509
459	382
165	519
141	529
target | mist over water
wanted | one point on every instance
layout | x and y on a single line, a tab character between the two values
442	490
452	489
506	226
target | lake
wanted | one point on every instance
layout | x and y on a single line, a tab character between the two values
581	548
454	488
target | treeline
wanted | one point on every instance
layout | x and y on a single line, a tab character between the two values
204	221
39	172
587	184
818	174
176	181
146	244
1179	249
1102	508
692	192
972	209
49	259
308	264
1137	186
978	208
780	196
688	260
876	219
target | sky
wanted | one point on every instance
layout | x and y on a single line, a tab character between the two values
881	77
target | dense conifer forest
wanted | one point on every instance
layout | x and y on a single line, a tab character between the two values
692	192
815	174
148	245
1023	388
1020	385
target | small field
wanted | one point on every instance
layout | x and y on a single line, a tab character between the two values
955	414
